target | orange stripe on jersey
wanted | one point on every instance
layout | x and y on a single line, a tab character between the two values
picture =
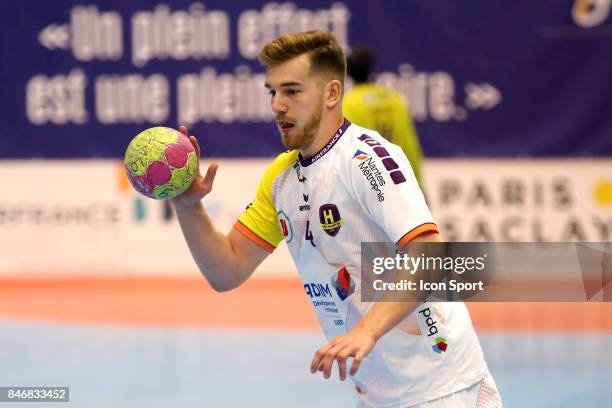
415	232
254	237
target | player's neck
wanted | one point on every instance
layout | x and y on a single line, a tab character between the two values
328	128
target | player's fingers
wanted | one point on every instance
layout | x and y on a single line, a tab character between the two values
359	356
315	365
316	360
209	178
341	358
195	144
183	129
328	361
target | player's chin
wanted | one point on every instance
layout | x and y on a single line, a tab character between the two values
289	141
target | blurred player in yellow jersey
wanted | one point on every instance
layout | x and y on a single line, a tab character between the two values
380	108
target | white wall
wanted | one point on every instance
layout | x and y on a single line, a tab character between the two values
80	218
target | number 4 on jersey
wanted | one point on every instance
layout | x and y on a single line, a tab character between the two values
309	236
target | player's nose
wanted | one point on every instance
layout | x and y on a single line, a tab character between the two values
278	106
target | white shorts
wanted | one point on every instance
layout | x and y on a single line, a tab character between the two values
483	394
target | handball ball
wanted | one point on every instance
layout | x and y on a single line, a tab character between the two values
161	163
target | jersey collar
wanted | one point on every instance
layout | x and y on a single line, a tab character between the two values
307	162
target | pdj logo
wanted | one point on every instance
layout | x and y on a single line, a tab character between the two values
343	283
432	329
440	345
360	155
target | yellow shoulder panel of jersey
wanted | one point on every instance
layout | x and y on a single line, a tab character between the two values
259	222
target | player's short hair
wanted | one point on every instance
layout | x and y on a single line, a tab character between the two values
360	64
326	55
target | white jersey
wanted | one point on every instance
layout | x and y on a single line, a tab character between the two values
361	188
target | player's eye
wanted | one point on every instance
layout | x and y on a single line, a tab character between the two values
292	91
271	92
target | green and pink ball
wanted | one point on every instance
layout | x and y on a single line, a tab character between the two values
161	163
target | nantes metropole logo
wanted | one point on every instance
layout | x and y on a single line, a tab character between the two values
361	155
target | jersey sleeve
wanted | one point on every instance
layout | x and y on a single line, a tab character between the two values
384	184
259	222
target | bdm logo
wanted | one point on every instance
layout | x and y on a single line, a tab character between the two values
315	290
330	219
440	345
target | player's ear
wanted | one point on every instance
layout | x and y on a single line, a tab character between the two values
333	93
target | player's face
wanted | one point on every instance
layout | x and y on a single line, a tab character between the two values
297	101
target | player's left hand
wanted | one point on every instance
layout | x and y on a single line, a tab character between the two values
357	344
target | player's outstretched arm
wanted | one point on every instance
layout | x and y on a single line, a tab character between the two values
225	261
358	343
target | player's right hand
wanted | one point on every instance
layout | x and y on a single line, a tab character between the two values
202	185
